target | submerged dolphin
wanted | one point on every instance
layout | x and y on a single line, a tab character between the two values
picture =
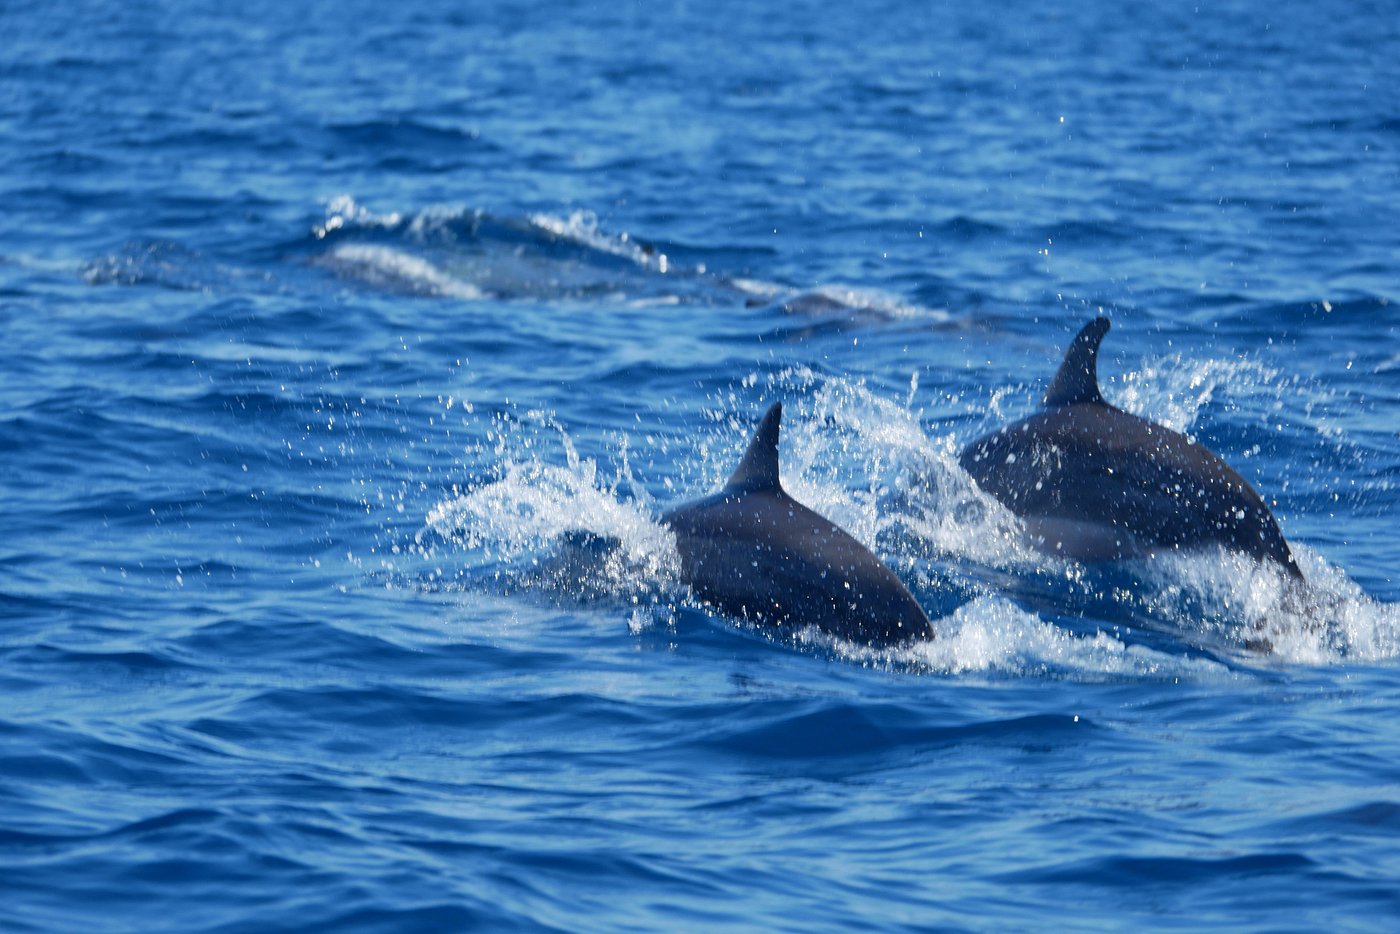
1092	482
754	552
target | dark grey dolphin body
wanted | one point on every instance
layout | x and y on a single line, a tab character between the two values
1094	483
754	552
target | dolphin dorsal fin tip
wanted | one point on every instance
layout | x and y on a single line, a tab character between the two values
1077	380
758	470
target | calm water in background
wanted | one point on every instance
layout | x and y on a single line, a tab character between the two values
327	330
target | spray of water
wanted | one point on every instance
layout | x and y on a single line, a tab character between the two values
557	522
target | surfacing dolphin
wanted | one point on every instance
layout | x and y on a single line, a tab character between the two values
754	552
1094	483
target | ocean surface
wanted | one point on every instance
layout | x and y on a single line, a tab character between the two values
351	351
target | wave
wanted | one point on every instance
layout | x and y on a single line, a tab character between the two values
1361	309
827	729
407	134
445	249
1134	872
465	253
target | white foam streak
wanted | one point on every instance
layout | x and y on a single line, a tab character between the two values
382	264
757	287
883	303
990	634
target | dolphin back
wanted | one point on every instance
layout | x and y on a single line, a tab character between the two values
1093	482
754	552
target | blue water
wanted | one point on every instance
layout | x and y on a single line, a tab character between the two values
324	324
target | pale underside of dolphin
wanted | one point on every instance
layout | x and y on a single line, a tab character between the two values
1094	483
754	552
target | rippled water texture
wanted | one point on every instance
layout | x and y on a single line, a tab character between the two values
352	351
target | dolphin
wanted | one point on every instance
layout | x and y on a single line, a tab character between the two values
1094	483
754	552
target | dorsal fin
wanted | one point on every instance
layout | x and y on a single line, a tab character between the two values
759	468
1078	378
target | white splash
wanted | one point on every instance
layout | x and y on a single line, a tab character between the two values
869	464
344	211
1173	391
906	481
1326	619
521	518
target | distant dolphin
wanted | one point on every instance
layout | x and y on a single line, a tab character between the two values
1094	483
754	552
